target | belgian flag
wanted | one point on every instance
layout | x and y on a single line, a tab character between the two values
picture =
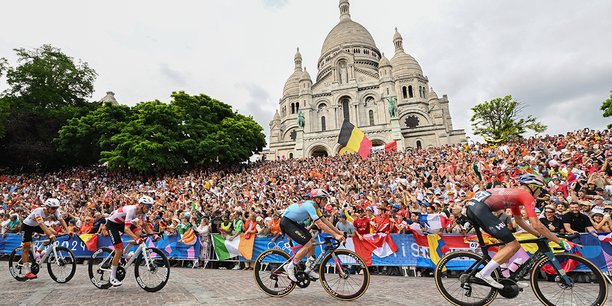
354	140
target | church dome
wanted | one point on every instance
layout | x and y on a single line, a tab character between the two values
384	62
305	76
292	86
403	64
347	33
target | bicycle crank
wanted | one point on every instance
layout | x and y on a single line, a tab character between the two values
120	273
511	289
303	280
34	268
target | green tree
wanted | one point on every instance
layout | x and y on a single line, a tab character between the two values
606	106
45	89
189	131
82	139
501	118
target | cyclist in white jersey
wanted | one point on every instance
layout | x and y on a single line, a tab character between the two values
35	223
121	221
291	224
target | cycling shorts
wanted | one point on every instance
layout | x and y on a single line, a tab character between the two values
28	231
481	216
115	230
295	231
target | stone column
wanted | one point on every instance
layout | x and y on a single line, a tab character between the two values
396	134
299	142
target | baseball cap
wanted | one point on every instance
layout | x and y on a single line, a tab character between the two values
343	216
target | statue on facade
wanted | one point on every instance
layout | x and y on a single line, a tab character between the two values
392	105
300	120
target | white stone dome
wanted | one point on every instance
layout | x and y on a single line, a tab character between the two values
292	86
305	76
384	62
347	33
405	65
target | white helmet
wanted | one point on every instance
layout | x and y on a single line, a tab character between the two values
147	200
51	202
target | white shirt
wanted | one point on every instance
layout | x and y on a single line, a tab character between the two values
38	214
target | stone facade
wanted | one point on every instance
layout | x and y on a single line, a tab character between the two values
355	82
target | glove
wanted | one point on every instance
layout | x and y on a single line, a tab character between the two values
566	245
138	241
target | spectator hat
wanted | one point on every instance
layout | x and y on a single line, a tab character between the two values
343	216
598	197
596	213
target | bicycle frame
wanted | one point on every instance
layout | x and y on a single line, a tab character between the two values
544	250
327	250
53	247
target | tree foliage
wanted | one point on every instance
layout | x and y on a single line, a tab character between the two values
501	118
189	131
606	106
45	89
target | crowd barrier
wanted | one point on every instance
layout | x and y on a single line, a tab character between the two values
412	250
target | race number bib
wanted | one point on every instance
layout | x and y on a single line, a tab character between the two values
481	196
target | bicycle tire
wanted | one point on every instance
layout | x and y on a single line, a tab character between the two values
359	268
96	272
443	272
596	276
15	264
161	262
65	261
275	258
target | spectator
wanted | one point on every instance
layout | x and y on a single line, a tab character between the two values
599	204
382	224
576	222
601	222
454	227
344	225
551	221
14	224
4	221
204	232
362	224
274	226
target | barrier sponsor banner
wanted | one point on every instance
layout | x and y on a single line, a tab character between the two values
169	244
412	250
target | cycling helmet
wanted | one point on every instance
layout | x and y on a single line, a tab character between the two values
51	202
530	179
396	206
147	200
319	193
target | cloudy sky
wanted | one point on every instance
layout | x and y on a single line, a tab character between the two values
555	56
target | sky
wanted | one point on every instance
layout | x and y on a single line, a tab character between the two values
555	56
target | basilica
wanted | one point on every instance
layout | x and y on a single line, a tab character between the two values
389	100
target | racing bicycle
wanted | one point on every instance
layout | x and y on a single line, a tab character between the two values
60	261
556	278
343	274
151	267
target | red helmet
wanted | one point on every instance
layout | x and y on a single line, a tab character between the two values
318	193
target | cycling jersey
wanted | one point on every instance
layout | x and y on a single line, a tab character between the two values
124	215
513	198
38	214
299	212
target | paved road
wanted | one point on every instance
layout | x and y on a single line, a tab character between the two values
216	287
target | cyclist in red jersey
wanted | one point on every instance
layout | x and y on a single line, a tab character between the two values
480	211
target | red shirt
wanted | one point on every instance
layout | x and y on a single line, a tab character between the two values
362	225
383	224
513	198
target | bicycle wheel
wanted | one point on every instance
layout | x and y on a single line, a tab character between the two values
99	268
155	273
344	275
590	286
451	276
270	275
61	268
16	265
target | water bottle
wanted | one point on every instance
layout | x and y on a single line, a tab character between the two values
129	255
309	263
516	264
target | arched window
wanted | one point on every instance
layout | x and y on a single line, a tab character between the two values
419	145
323	127
297	107
371	115
290	155
293	108
345	109
410	92
404	92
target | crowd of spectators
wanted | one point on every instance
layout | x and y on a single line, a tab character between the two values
385	193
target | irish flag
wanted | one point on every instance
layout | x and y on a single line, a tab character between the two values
239	246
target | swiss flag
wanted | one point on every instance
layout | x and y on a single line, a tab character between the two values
380	245
392	146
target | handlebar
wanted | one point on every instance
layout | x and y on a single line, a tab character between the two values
569	237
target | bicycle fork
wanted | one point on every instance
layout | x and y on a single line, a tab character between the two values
565	280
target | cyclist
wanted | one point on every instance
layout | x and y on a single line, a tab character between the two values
120	221
480	210
292	225
35	223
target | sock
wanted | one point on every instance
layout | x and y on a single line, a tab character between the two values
489	268
26	268
114	271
